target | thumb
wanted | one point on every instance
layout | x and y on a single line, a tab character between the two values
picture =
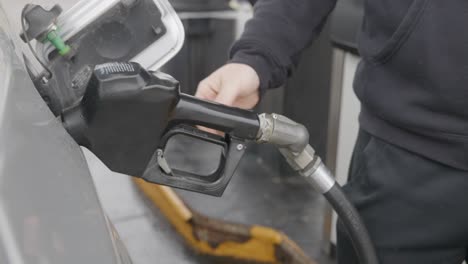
204	91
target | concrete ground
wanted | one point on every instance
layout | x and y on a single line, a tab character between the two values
257	194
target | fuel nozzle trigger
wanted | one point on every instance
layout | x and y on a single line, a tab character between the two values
215	182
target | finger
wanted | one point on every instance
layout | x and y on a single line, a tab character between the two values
204	91
227	96
210	130
208	88
247	102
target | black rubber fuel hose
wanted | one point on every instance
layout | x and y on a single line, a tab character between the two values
353	224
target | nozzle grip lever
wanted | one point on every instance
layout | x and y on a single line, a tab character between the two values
213	184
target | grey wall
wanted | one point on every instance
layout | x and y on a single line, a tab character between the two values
307	93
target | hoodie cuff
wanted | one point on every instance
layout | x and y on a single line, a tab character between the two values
262	61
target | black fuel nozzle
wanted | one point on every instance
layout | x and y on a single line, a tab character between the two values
128	115
122	115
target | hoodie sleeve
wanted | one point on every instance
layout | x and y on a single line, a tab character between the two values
274	38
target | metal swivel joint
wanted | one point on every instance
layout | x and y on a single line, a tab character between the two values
292	140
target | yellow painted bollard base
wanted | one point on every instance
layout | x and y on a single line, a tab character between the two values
222	239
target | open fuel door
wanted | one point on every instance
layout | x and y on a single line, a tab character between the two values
144	31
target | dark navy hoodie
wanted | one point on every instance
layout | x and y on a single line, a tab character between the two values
413	78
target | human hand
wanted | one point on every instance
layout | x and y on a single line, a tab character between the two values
233	84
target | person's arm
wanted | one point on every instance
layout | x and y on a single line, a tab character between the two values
268	49
274	38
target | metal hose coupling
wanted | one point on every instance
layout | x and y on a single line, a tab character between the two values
292	140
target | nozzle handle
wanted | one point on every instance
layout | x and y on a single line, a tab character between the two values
239	125
236	122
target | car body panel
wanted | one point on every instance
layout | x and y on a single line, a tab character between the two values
49	209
